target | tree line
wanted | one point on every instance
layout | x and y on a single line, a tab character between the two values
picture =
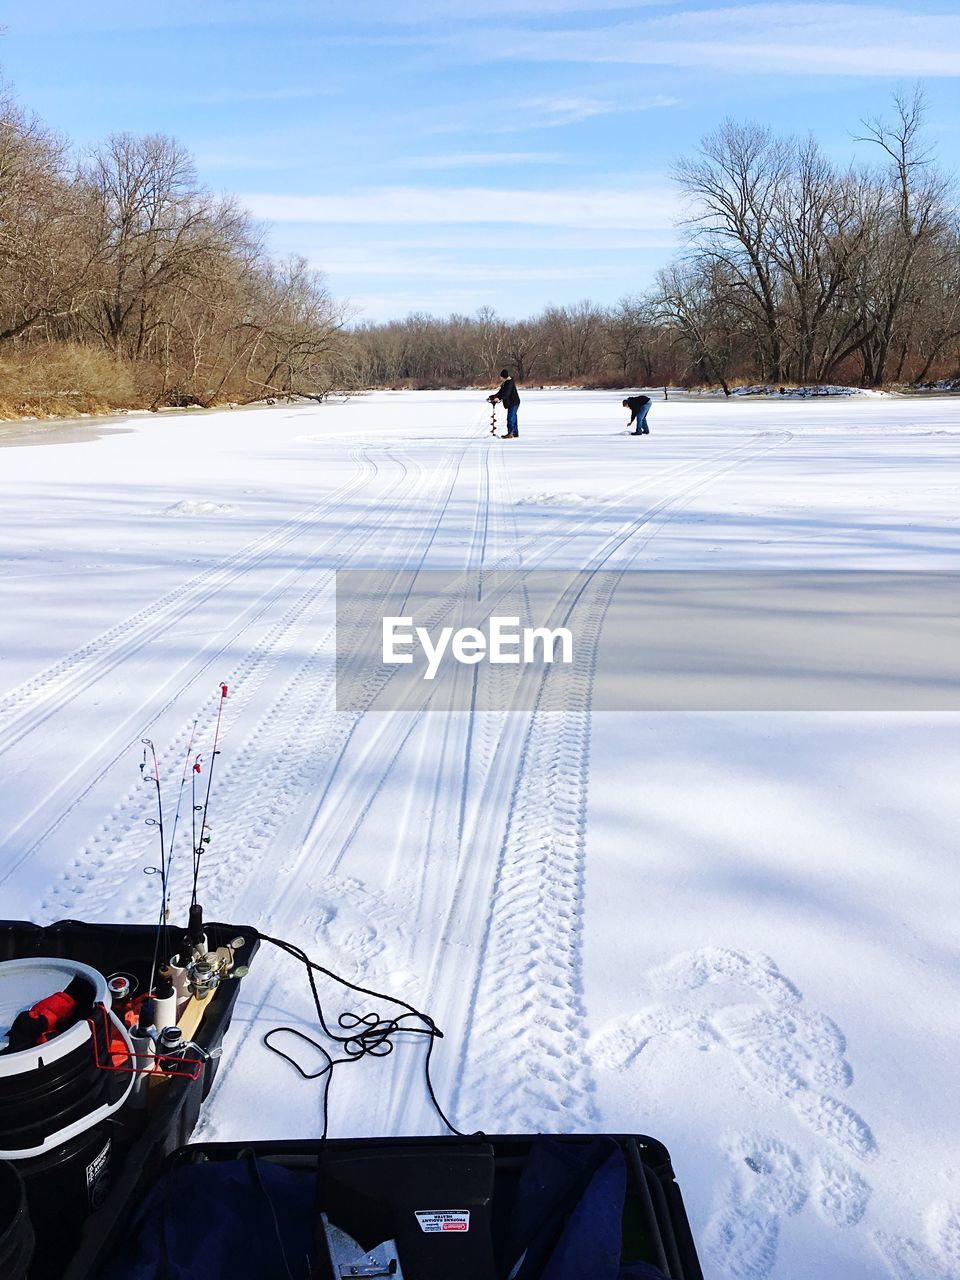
794	270
124	281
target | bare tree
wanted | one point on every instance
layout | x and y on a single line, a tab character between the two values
158	233
298	349
736	183
629	337
523	347
914	219
696	305
44	252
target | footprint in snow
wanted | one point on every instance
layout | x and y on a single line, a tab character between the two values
719	999
938	1258
791	1052
767	1181
358	929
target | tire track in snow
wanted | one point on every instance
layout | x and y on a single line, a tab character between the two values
443	773
301	734
121	841
417	886
29	706
527	1002
320	754
342	808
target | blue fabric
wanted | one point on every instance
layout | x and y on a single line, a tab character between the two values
568	1214
589	1244
642	420
203	1221
512	427
226	1219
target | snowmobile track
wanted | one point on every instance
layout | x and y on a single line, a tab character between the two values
531	988
126	822
123	842
26	708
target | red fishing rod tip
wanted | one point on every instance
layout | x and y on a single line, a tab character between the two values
223	691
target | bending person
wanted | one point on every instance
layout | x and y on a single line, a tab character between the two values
639	407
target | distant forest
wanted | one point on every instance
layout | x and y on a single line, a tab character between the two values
793	271
124	282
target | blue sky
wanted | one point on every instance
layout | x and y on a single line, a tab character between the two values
441	155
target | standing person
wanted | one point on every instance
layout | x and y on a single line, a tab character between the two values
639	407
509	397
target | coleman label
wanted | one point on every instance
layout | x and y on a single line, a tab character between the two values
443	1219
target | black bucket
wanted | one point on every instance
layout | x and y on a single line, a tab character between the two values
16	1233
36	1104
64	1186
53	1088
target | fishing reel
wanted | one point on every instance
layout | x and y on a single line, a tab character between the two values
207	969
179	1057
202	969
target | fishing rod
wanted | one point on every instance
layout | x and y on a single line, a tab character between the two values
198	842
157	822
183	783
191	765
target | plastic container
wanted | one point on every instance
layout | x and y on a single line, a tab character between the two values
16	1231
140	1140
64	1187
55	1091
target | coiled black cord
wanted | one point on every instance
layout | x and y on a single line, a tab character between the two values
367	1035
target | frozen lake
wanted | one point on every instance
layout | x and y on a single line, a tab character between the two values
734	932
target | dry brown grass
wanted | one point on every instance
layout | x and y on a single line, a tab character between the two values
64	379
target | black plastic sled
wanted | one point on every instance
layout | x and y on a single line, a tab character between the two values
83	1130
491	1207
97	1182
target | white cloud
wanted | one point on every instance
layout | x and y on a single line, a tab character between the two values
559	111
556	112
563	111
836	39
631	208
393	265
481	160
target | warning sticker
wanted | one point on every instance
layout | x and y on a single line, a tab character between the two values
98	1177
443	1219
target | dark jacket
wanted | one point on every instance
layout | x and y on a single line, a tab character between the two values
508	395
635	404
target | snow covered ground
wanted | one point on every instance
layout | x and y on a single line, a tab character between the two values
736	933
